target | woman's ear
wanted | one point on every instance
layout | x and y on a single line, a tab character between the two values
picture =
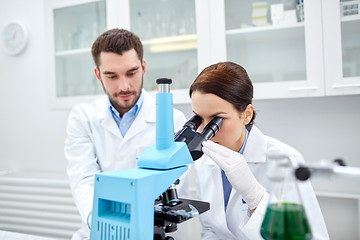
248	113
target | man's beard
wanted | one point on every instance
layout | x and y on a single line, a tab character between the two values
126	105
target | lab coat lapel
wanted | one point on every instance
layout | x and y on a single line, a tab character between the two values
256	146
208	161
147	114
217	201
254	152
109	123
255	149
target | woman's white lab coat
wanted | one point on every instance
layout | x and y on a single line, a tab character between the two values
237	222
94	144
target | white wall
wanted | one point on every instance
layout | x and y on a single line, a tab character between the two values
32	136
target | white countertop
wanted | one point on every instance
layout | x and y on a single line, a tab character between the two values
20	236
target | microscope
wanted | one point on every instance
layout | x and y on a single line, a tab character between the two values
326	169
142	203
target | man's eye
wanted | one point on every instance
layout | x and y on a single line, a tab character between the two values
132	73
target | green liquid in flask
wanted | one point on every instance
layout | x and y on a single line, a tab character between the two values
285	221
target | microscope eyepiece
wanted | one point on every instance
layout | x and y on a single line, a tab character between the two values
212	128
188	130
194	123
163	81
193	139
164	84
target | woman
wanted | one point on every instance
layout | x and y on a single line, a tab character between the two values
232	172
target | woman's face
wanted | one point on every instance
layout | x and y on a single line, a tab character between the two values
232	132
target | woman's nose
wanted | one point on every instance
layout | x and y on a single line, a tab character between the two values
202	126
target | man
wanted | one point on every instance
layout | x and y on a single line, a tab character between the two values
111	132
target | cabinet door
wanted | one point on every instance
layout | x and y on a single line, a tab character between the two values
168	32
71	28
279	43
342	46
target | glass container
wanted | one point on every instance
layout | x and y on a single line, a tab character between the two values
285	218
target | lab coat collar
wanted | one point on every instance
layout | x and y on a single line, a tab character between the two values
147	113
149	107
110	125
255	148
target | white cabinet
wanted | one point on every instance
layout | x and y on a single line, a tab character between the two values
166	28
169	35
293	58
168	32
280	48
289	49
70	27
310	51
341	22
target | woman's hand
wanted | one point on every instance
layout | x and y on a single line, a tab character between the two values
237	172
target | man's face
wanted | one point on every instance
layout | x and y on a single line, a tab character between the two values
122	78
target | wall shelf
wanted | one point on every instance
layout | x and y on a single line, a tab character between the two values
263	29
73	52
350	18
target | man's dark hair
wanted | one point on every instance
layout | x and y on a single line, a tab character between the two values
117	41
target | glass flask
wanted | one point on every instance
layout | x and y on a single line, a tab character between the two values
285	218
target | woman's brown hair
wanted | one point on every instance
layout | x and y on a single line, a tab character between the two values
228	81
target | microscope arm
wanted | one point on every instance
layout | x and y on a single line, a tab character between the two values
326	169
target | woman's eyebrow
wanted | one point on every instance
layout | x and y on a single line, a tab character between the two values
212	115
218	113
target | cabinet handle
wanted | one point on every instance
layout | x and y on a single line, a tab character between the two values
303	88
345	85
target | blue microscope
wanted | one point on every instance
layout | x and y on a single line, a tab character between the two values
142	203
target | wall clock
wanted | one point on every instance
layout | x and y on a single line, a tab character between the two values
14	38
